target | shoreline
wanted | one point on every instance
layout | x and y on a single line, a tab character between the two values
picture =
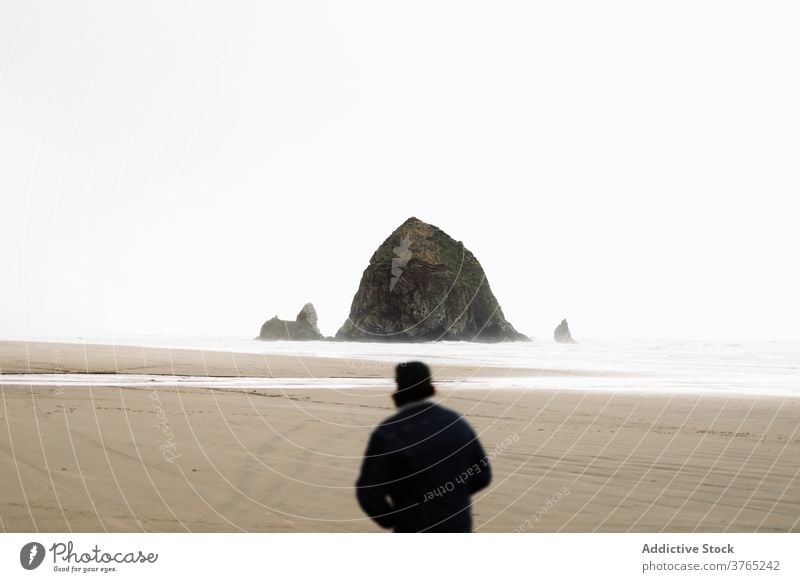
380	384
69	358
24	364
165	456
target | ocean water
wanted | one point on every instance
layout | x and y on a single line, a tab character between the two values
762	368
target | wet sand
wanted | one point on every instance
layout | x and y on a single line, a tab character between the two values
167	459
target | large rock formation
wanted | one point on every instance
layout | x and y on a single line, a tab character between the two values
421	285
562	334
302	328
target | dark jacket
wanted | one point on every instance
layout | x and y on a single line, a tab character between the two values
421	466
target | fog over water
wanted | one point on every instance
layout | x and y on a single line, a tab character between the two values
762	368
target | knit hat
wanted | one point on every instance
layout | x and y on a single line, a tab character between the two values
413	383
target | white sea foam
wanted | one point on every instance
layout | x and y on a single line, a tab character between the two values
763	368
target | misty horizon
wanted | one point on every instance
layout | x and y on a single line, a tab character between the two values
194	172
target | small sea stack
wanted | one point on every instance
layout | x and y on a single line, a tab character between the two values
303	328
562	334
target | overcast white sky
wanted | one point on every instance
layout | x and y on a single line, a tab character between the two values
195	168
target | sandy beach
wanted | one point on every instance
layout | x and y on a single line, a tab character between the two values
116	459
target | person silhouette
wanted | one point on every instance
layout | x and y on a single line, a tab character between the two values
422	464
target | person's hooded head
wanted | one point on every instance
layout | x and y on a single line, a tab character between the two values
413	383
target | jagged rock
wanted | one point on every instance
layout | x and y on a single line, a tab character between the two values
302	328
308	315
562	334
421	285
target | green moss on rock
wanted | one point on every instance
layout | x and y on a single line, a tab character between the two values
421	285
